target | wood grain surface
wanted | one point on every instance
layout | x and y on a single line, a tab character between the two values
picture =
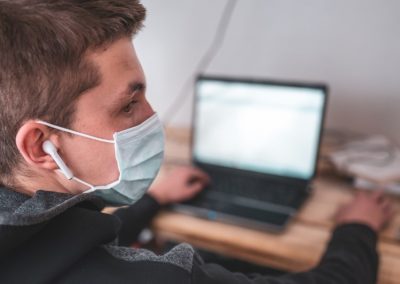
298	248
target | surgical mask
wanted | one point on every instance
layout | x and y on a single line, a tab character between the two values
138	151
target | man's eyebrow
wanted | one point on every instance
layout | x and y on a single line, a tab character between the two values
133	87
128	93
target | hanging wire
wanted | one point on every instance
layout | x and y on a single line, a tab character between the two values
204	62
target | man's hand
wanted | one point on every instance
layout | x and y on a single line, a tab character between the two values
181	184
372	209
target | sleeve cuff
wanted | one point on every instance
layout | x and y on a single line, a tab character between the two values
353	240
151	201
354	231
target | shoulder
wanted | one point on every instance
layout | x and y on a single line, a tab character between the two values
180	256
113	264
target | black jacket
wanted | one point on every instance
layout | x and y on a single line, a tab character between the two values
59	238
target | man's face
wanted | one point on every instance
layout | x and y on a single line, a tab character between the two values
116	104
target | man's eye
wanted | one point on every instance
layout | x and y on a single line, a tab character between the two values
128	108
137	88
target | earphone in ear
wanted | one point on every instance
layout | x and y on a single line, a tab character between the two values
49	148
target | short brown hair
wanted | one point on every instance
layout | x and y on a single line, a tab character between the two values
43	67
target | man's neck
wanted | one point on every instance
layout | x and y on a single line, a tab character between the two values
55	182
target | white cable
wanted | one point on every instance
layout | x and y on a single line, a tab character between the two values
204	62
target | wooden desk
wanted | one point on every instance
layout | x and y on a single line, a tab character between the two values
298	248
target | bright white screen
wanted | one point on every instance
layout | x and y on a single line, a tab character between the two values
258	127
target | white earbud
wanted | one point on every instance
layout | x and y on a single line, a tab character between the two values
49	148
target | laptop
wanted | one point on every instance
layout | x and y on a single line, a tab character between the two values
259	142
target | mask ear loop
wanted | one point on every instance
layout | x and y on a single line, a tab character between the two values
91	187
75	132
64	169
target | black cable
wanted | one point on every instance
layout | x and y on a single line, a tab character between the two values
204	62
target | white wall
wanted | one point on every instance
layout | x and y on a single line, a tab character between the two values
353	45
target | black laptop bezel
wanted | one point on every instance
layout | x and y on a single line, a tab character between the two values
324	87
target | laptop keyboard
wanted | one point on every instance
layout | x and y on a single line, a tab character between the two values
256	189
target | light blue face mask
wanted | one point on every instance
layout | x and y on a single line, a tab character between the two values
139	152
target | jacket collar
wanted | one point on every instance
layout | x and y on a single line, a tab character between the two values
17	209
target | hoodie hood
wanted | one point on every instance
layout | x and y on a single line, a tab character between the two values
22	216
17	209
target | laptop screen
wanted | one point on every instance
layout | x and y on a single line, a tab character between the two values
268	128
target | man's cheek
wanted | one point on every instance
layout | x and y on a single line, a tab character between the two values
92	161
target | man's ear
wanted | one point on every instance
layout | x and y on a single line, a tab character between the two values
29	140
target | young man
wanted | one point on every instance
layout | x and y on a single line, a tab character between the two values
76	130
